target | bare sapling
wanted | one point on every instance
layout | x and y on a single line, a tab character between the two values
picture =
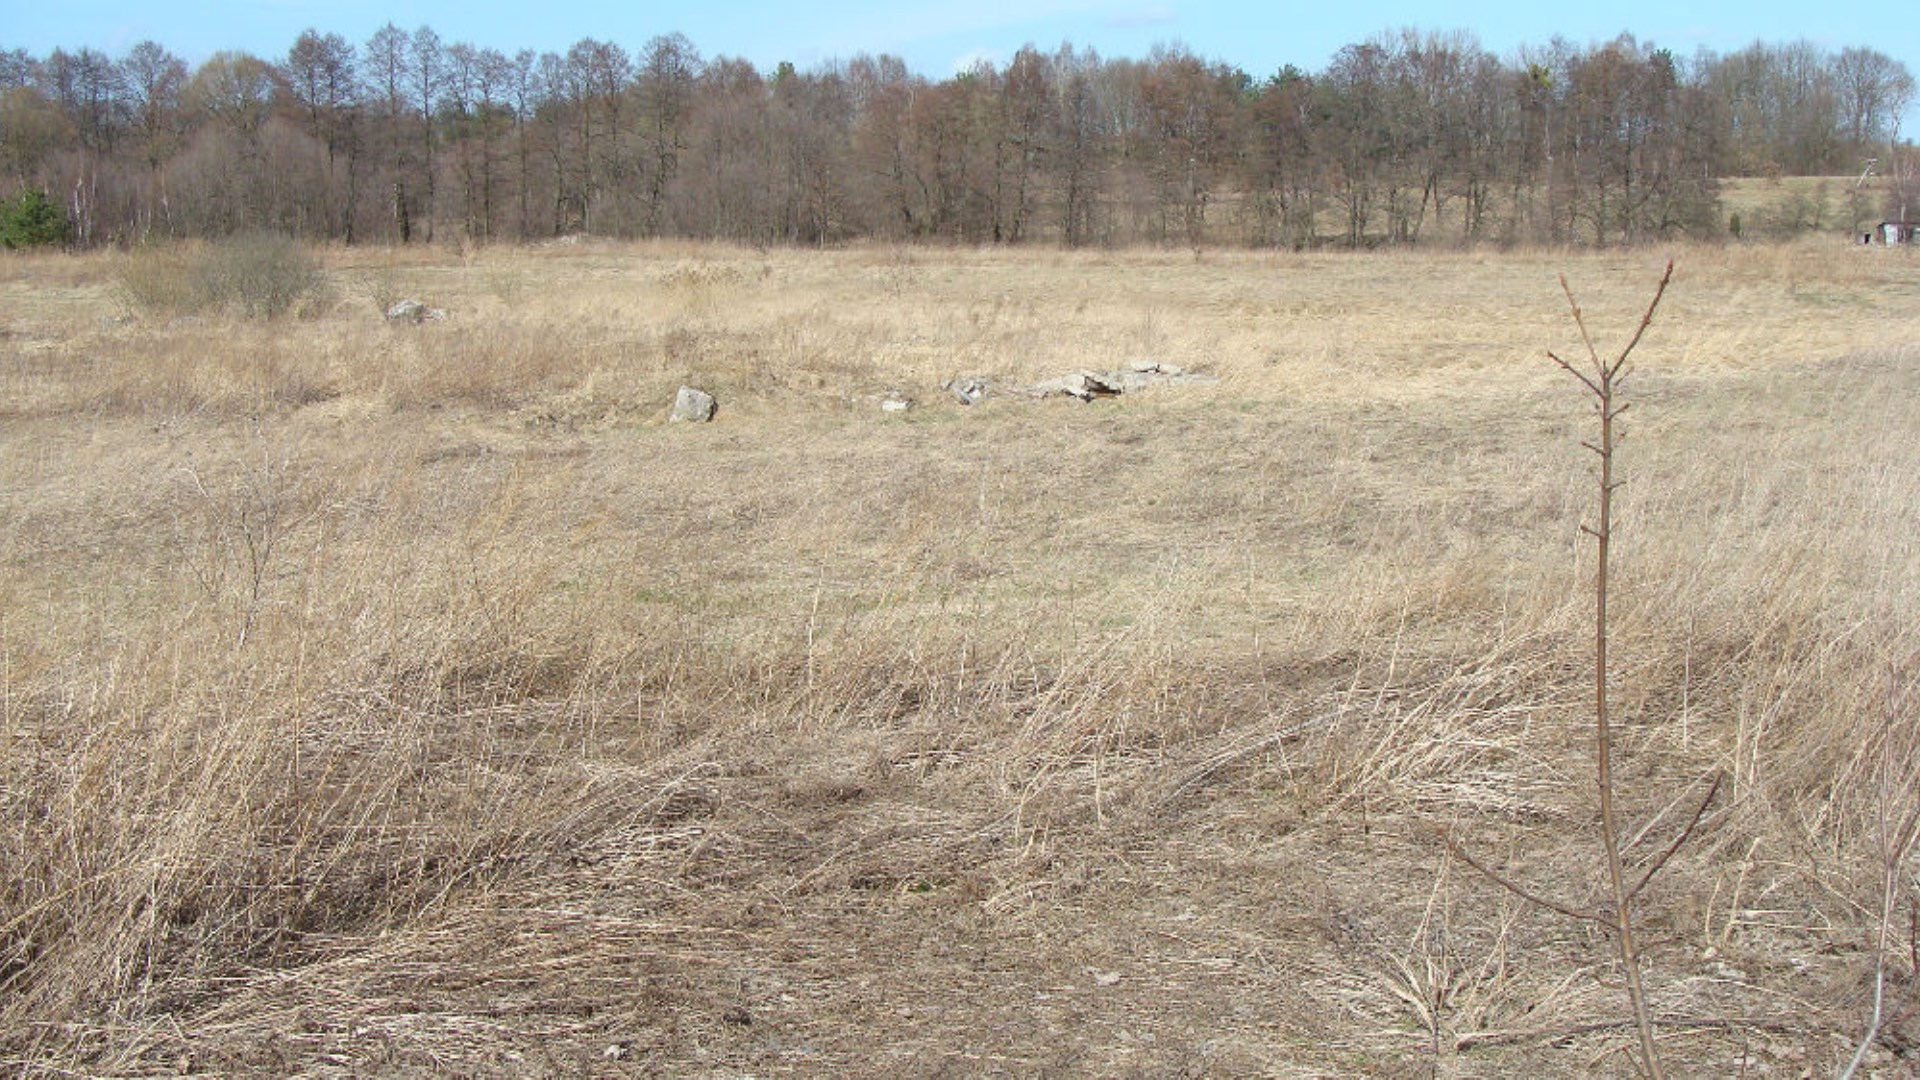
1602	380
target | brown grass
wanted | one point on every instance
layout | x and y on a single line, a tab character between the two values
401	699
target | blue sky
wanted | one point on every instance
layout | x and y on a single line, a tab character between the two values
938	38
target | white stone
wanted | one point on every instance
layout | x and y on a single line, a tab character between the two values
693	406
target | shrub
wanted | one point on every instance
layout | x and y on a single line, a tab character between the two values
30	219
156	280
253	275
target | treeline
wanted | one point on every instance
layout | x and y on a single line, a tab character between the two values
1410	137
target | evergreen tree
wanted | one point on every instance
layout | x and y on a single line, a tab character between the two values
30	219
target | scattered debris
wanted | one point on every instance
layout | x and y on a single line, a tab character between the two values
1085	384
693	406
968	390
413	311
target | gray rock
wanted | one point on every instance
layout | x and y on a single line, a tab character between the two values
693	406
896	403
1085	385
413	311
1155	367
970	390
1139	375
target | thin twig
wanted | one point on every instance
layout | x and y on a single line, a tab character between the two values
1576	373
1581	322
1645	320
1699	813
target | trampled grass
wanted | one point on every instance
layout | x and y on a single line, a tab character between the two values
395	698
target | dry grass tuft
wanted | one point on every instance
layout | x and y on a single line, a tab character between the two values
394	699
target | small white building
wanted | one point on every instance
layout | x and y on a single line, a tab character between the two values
1899	232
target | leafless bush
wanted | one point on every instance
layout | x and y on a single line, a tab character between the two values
253	275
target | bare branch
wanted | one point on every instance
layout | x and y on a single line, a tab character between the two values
1570	369
1646	320
1699	813
1506	883
1580	321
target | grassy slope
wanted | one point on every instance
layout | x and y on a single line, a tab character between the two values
414	698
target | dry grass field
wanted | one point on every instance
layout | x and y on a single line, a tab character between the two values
383	699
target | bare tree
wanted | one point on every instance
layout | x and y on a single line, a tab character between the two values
1190	109
1079	144
729	155
88	87
384	69
1352	136
222	182
154	79
882	93
463	129
426	74
17	69
523	95
492	88
1029	107
811	120
564	95
1874	91
663	96
320	77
